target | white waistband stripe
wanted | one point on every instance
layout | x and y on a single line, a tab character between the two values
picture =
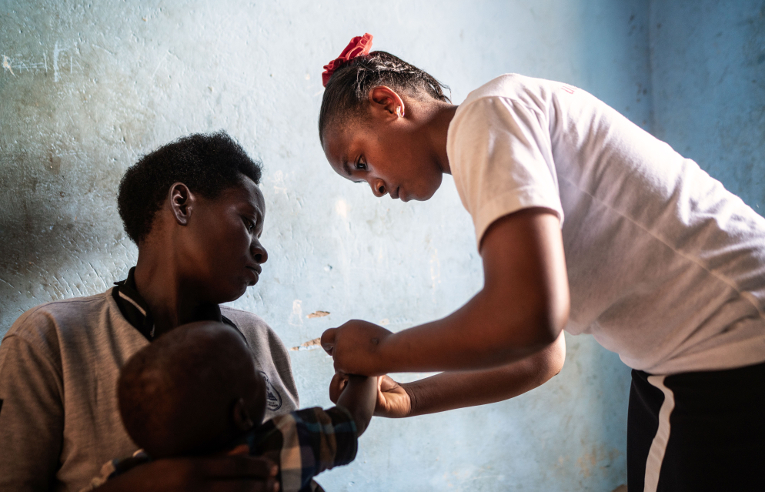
659	444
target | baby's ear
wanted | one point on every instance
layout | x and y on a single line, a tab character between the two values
241	418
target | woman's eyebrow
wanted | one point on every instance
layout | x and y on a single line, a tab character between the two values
254	211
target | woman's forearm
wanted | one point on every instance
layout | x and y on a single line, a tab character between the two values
451	390
521	309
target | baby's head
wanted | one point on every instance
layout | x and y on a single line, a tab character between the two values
192	391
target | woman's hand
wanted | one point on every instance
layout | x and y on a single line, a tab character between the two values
204	474
355	347
393	400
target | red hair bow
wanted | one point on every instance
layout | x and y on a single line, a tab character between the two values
359	46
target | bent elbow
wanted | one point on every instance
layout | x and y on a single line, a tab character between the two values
549	324
551	359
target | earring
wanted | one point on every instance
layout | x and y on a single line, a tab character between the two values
399	112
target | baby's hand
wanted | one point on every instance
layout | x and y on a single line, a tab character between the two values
358	395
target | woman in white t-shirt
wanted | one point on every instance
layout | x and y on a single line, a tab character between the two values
584	222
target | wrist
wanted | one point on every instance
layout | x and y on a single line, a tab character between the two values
385	355
411	392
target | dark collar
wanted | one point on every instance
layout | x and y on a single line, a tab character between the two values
136	311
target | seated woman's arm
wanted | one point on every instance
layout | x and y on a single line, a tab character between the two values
31	415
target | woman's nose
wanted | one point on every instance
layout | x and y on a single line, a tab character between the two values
259	253
378	187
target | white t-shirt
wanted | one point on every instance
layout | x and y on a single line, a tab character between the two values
665	266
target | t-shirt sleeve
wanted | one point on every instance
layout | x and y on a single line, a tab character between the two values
307	442
31	416
500	155
271	359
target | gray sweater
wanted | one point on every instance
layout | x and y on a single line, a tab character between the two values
59	364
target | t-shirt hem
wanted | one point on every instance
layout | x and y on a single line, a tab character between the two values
730	356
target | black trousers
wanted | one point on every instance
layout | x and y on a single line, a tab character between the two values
697	431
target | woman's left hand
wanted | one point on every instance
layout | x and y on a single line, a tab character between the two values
393	400
355	347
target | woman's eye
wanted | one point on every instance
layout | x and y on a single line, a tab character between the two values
248	223
361	165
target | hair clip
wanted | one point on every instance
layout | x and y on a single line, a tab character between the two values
359	46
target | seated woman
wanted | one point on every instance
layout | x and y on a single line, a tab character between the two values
195	211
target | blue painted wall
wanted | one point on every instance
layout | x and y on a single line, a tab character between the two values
708	78
86	88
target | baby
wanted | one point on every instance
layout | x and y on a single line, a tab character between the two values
195	391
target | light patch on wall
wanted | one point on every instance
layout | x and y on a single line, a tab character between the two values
279	186
435	271
159	65
296	318
7	65
341	207
56	53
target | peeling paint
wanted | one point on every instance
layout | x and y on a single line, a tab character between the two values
309	345
318	314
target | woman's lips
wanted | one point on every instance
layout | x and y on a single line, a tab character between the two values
255	272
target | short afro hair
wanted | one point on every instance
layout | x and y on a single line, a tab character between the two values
207	163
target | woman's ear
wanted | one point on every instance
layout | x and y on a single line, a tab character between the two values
386	103
240	417
181	202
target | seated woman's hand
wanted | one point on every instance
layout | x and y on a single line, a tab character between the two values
355	347
203	474
393	400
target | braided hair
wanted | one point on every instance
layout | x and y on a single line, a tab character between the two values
347	91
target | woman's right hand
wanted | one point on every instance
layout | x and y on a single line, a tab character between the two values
205	474
393	400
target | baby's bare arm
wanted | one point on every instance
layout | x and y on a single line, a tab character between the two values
359	397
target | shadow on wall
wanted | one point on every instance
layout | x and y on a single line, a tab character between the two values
59	237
